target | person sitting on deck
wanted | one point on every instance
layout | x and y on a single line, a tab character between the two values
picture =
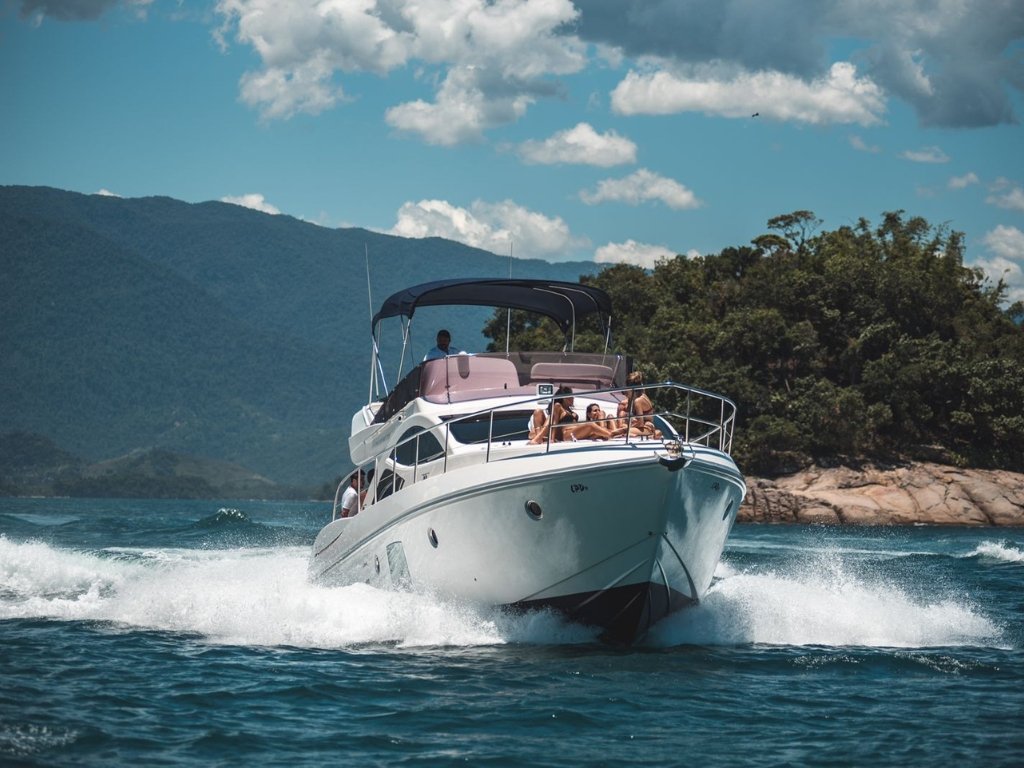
444	347
563	422
538	420
635	412
597	415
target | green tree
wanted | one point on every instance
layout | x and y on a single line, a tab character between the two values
864	341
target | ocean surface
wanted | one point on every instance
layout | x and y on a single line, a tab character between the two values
186	633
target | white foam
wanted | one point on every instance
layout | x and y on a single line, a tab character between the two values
824	604
33	572
264	597
999	550
26	740
724	570
246	597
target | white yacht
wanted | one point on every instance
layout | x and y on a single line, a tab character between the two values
612	533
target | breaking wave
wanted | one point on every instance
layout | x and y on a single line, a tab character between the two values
1002	551
262	597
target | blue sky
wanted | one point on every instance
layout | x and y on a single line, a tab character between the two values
602	130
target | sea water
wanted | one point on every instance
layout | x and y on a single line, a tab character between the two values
187	633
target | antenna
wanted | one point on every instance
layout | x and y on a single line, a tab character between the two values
369	297
369	301
508	316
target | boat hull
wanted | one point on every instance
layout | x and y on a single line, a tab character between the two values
613	538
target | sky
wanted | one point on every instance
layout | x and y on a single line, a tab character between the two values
604	130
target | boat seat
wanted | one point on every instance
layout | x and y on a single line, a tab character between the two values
460	377
572	373
434	380
466	372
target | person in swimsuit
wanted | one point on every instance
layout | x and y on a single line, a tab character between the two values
538	421
635	412
564	423
597	415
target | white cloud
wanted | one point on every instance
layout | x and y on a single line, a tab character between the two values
1006	194
642	186
1006	246
485	62
926	155
1007	242
581	145
838	97
253	200
962	182
107	193
462	112
858	143
492	59
490	226
956	66
281	93
351	36
632	252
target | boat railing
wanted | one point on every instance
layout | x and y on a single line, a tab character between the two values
685	416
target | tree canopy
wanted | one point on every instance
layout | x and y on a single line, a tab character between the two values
862	342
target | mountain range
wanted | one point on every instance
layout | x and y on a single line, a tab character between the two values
155	327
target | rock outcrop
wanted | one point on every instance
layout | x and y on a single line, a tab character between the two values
896	495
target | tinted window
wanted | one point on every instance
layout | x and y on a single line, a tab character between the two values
388	483
427	445
511	425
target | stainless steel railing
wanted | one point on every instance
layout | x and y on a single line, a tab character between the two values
694	417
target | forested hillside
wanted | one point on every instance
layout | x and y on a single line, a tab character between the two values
207	329
865	341
129	328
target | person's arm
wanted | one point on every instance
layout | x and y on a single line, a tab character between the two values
538	420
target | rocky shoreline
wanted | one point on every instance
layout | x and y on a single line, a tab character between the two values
905	494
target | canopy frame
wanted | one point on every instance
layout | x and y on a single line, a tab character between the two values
564	302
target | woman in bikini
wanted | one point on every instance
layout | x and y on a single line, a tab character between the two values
638	405
595	414
564	423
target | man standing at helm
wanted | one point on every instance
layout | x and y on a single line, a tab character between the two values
444	347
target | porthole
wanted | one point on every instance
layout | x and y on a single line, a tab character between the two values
533	510
432	537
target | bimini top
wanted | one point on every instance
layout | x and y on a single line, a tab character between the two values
563	302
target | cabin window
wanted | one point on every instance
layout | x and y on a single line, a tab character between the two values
388	483
508	425
418	451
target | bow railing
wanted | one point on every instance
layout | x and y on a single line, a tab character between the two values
684	417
